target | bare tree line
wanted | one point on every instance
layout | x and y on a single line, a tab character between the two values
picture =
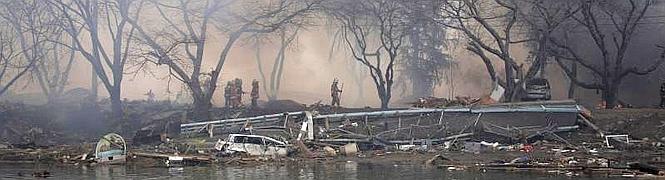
272	83
494	29
42	39
547	28
612	42
108	33
184	48
28	37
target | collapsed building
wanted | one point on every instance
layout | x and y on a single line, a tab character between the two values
505	123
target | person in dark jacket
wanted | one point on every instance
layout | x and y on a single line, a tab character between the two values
335	92
255	93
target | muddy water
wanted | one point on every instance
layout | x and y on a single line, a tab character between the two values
329	170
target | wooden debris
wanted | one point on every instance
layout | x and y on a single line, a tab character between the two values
584	120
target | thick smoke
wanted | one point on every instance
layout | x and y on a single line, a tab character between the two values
642	53
309	72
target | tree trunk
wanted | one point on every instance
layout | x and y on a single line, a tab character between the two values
201	109
610	96
272	97
571	90
201	102
116	104
384	102
384	97
510	83
52	98
94	84
572	86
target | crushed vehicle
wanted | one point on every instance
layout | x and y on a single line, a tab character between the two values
111	149
537	89
253	145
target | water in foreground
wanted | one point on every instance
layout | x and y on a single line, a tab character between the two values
324	170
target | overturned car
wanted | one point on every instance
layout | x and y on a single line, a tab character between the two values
253	145
537	89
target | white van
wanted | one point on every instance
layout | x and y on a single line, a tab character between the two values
253	145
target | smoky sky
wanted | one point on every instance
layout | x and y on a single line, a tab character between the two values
642	52
308	71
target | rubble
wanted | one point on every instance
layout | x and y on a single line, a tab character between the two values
26	125
552	138
350	149
329	151
252	145
458	101
434	102
41	174
646	168
622	138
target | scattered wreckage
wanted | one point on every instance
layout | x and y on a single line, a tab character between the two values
537	89
253	145
516	130
514	122
111	149
516	127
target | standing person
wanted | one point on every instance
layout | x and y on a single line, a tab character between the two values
662	95
239	92
233	96
227	94
335	92
255	93
151	96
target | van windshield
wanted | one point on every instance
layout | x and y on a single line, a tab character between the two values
537	82
246	139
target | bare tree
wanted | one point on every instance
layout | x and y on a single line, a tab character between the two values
543	20
490	27
612	42
181	46
12	65
53	71
271	87
373	30
353	67
102	35
39	36
495	27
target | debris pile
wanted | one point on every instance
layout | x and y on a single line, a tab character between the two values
435	102
459	101
111	149
149	117
552	137
29	126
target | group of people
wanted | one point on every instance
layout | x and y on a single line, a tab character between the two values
233	93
